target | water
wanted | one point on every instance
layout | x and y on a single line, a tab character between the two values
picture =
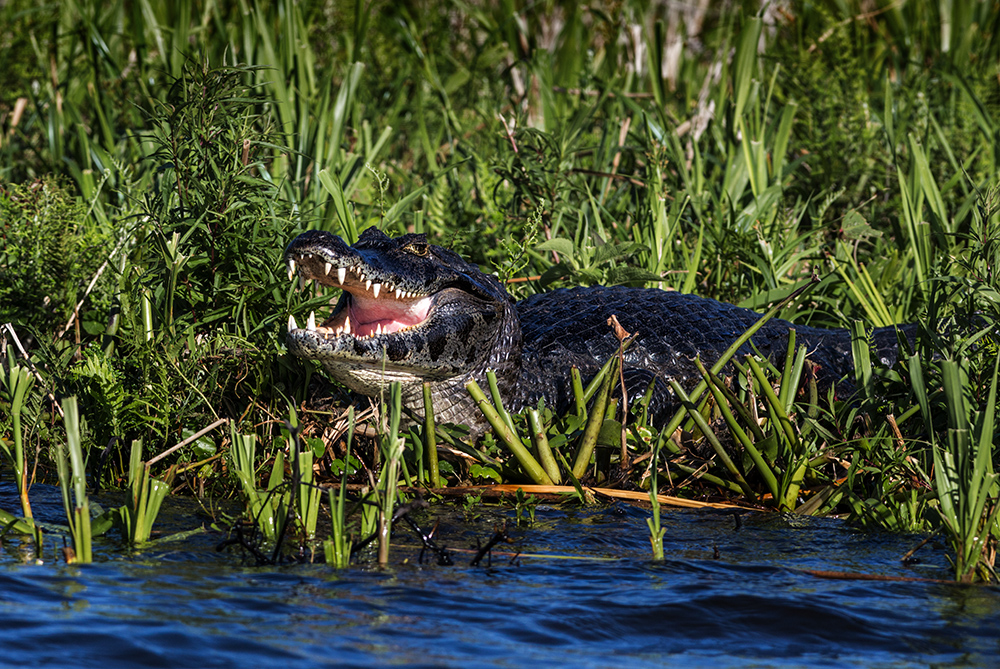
583	593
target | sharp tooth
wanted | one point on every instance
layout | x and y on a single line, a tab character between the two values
292	325
311	323
378	329
368	285
399	293
291	269
347	325
376	287
341	274
327	267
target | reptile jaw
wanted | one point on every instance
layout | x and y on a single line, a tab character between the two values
369	308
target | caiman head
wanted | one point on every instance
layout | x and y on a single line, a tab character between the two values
409	311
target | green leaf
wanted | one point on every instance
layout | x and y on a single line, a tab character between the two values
560	245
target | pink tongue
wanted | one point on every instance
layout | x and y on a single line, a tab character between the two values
392	315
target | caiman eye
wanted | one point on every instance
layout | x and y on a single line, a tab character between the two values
417	248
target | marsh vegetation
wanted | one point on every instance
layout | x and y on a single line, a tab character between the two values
156	158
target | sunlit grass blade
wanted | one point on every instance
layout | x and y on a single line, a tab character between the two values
963	474
337	549
146	495
18	381
588	440
542	447
392	452
510	439
430	438
73	484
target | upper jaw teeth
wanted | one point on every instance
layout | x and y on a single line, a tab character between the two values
341	276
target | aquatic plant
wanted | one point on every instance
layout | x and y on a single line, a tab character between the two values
656	530
18	381
264	506
73	485
391	446
146	495
337	549
965	481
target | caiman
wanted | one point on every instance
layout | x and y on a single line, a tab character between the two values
411	311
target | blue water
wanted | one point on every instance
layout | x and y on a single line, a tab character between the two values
583	593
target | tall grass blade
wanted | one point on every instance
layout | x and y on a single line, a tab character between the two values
337	548
73	484
964	477
430	437
510	439
709	434
18	381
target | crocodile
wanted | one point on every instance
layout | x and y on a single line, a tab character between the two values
414	312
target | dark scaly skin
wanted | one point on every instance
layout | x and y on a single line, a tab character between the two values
474	326
569	327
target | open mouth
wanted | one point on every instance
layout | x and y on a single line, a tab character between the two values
368	307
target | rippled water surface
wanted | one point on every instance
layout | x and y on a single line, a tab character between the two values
584	593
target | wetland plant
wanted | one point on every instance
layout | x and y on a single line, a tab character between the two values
337	549
18	381
146	495
965	481
73	485
264	506
805	143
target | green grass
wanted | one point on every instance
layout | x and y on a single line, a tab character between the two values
155	160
